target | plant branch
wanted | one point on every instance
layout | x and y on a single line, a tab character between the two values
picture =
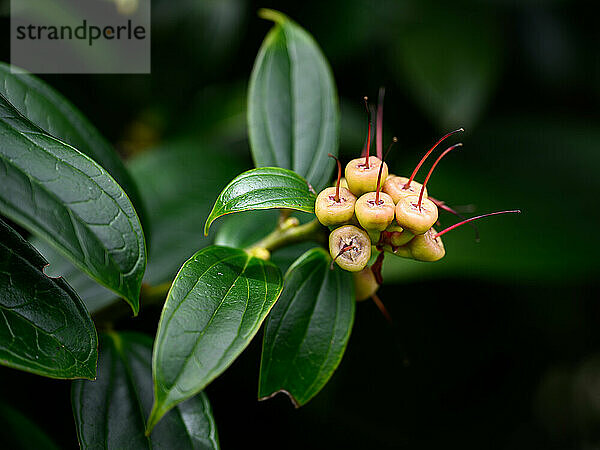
289	232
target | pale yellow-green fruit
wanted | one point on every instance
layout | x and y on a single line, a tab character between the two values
330	211
361	178
373	214
358	246
413	218
425	247
394	187
397	235
365	284
399	238
343	183
403	251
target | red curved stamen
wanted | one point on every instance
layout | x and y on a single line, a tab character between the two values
368	132
379	122
339	177
412	176
394	140
452	227
448	150
442	205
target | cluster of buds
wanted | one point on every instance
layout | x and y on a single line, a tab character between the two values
371	210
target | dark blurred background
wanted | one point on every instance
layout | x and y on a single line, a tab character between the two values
495	347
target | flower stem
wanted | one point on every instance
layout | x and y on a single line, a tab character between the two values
290	232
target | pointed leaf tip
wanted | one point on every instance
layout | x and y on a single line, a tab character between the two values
220	296
263	188
272	15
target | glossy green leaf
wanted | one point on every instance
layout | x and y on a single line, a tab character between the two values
308	330
216	305
44	327
293	118
180	181
244	229
94	296
53	113
264	188
111	411
20	433
179	188
63	196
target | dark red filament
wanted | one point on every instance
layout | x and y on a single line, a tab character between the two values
342	250
381	307
443	206
414	174
379	121
448	150
337	186
452	227
376	267
394	140
368	132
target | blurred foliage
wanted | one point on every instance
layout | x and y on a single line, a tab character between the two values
501	337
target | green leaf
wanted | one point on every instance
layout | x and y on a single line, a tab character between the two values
293	118
53	113
179	187
20	433
264	188
65	197
246	228
308	330
180	181
94	296
215	306
44	327
111	411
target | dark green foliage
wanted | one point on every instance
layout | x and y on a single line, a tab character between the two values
307	332
111	411
44	327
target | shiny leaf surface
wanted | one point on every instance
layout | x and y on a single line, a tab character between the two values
308	330
63	196
111	411
264	188
216	305
44	326
293	118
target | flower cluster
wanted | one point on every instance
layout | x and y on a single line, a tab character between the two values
371	208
